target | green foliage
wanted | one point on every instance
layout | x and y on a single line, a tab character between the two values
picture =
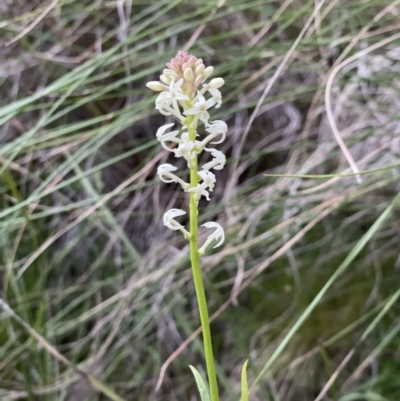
201	385
244	386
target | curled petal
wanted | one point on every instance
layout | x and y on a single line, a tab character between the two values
169	218
217	235
218	161
171	223
215	129
164	171
208	183
164	98
169	136
208	179
163	111
216	96
166	168
162	129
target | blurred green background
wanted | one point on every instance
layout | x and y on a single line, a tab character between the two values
306	285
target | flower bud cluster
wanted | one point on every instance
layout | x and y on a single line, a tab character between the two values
185	95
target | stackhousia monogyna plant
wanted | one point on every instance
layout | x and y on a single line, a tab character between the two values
185	95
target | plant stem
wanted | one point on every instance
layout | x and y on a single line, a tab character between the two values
198	280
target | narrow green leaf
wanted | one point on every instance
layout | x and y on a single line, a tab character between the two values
201	385
245	389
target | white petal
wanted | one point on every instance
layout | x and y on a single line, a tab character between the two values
208	178
169	219
200	97
163	112
217	126
166	168
193	110
162	136
181	96
205	194
210	103
216	96
178	84
174	213
163	128
218	161
218	233
204	116
164	98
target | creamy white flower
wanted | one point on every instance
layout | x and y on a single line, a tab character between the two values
174	94
218	234
186	150
208	183
164	171
188	72
208	179
163	136
218	161
215	129
200	108
171	223
175	90
197	148
216	96
171	97
165	109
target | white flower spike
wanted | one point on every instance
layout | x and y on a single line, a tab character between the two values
218	234
180	95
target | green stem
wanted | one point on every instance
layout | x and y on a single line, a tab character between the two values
198	280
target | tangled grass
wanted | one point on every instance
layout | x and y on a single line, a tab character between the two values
97	295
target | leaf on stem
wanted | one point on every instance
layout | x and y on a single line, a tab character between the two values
245	390
201	385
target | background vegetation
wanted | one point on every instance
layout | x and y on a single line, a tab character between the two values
307	283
